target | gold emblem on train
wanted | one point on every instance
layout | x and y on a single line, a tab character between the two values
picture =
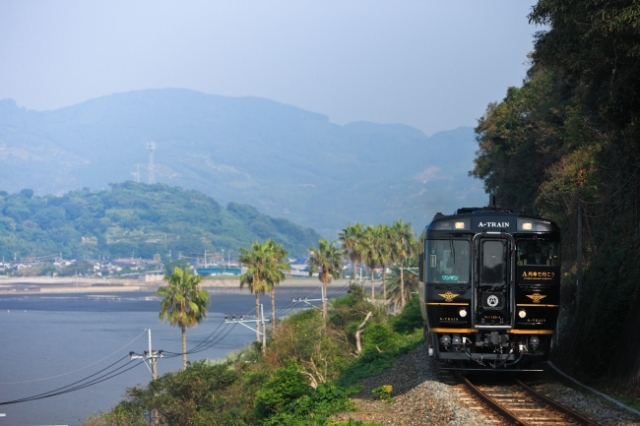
536	297
448	296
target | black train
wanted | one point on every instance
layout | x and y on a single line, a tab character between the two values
489	287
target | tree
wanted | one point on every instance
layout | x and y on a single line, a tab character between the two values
276	276
399	291
263	272
369	246
593	45
351	238
327	260
403	247
184	304
384	246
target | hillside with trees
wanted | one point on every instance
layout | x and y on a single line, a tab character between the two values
306	374
136	220
565	145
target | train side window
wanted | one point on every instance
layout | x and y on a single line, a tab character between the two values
538	252
447	261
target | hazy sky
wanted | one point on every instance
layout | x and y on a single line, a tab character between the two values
434	65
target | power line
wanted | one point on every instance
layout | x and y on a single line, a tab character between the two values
79	384
74	371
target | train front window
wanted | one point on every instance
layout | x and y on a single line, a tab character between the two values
538	252
493	262
447	261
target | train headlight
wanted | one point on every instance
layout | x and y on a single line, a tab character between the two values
534	342
534	225
460	224
456	341
445	340
462	313
522	313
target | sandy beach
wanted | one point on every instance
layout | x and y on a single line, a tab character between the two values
39	285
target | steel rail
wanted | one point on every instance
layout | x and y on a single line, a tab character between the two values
492	403
557	406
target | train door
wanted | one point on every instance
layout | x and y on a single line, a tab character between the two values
492	291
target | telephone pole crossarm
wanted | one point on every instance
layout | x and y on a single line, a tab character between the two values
307	301
242	321
146	357
151	355
412	270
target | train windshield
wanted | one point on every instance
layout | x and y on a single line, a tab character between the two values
448	261
538	252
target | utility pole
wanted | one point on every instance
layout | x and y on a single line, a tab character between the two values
307	300
154	359
579	255
151	355
264	330
258	320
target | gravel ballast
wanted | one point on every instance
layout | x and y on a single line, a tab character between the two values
422	398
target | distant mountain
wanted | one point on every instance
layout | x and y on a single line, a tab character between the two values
137	220
285	161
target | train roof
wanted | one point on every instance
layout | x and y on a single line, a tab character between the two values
490	219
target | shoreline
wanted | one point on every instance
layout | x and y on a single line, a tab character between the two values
59	285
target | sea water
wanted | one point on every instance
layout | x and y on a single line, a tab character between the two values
50	341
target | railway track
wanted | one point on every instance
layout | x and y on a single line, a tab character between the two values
518	404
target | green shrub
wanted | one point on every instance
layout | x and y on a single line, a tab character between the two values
368	364
125	413
379	337
313	409
383	393
410	318
285	386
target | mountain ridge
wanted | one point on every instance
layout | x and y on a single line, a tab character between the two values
284	160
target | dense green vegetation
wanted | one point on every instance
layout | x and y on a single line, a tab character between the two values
565	145
135	220
306	373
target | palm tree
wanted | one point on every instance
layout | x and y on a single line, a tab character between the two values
184	304
395	290
370	253
276	274
327	260
350	238
384	245
403	247
258	262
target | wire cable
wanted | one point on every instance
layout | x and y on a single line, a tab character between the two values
78	384
79	369
201	346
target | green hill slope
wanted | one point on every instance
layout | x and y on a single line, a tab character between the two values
136	220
